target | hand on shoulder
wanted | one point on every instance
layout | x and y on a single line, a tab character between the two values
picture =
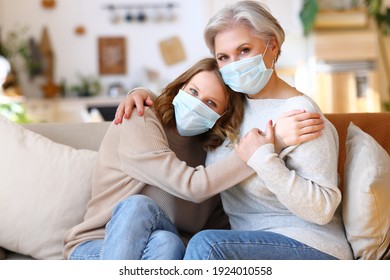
137	98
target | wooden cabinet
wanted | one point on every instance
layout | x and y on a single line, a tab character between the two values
348	45
347	70
348	92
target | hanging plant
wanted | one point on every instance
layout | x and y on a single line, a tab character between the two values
308	15
381	15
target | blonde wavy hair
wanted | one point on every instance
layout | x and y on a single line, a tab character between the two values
227	125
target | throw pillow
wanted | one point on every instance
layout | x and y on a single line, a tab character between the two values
366	210
44	189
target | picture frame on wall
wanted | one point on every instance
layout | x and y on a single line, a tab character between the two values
112	55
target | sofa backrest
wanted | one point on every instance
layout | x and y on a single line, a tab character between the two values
375	124
77	135
90	135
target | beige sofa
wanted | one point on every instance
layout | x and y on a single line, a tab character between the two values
26	234
84	140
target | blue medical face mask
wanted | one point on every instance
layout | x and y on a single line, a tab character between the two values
249	75
193	117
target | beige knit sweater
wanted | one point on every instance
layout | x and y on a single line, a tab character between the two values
138	156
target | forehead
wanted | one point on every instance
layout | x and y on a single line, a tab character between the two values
206	79
208	83
235	36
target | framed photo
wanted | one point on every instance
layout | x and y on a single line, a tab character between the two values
112	55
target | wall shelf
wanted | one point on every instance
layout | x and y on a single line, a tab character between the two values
334	19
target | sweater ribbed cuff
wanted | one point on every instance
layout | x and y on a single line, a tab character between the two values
261	156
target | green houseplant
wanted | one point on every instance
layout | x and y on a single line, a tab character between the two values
381	15
14	111
87	86
308	15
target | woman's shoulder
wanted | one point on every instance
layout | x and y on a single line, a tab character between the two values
135	119
302	101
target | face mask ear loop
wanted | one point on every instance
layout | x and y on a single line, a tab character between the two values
273	61
266	48
224	113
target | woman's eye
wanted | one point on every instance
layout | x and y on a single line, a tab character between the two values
222	58
193	91
211	103
245	50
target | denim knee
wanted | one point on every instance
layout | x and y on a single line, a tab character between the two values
164	245
135	204
201	237
200	246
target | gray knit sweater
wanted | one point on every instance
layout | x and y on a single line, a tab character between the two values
295	193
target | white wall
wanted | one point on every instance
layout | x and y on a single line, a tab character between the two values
78	54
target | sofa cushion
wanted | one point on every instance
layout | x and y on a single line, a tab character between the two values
366	210
44	188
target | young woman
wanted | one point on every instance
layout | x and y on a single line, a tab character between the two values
150	168
289	209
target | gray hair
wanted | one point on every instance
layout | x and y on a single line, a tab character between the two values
248	13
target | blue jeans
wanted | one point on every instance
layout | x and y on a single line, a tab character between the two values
249	245
138	230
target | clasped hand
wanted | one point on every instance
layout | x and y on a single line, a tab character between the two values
253	140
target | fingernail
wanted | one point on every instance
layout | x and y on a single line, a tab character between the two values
270	122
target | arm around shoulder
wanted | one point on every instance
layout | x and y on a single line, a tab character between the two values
145	155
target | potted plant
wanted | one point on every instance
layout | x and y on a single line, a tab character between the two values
17	49
87	86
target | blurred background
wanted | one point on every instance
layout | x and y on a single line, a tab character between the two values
74	60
